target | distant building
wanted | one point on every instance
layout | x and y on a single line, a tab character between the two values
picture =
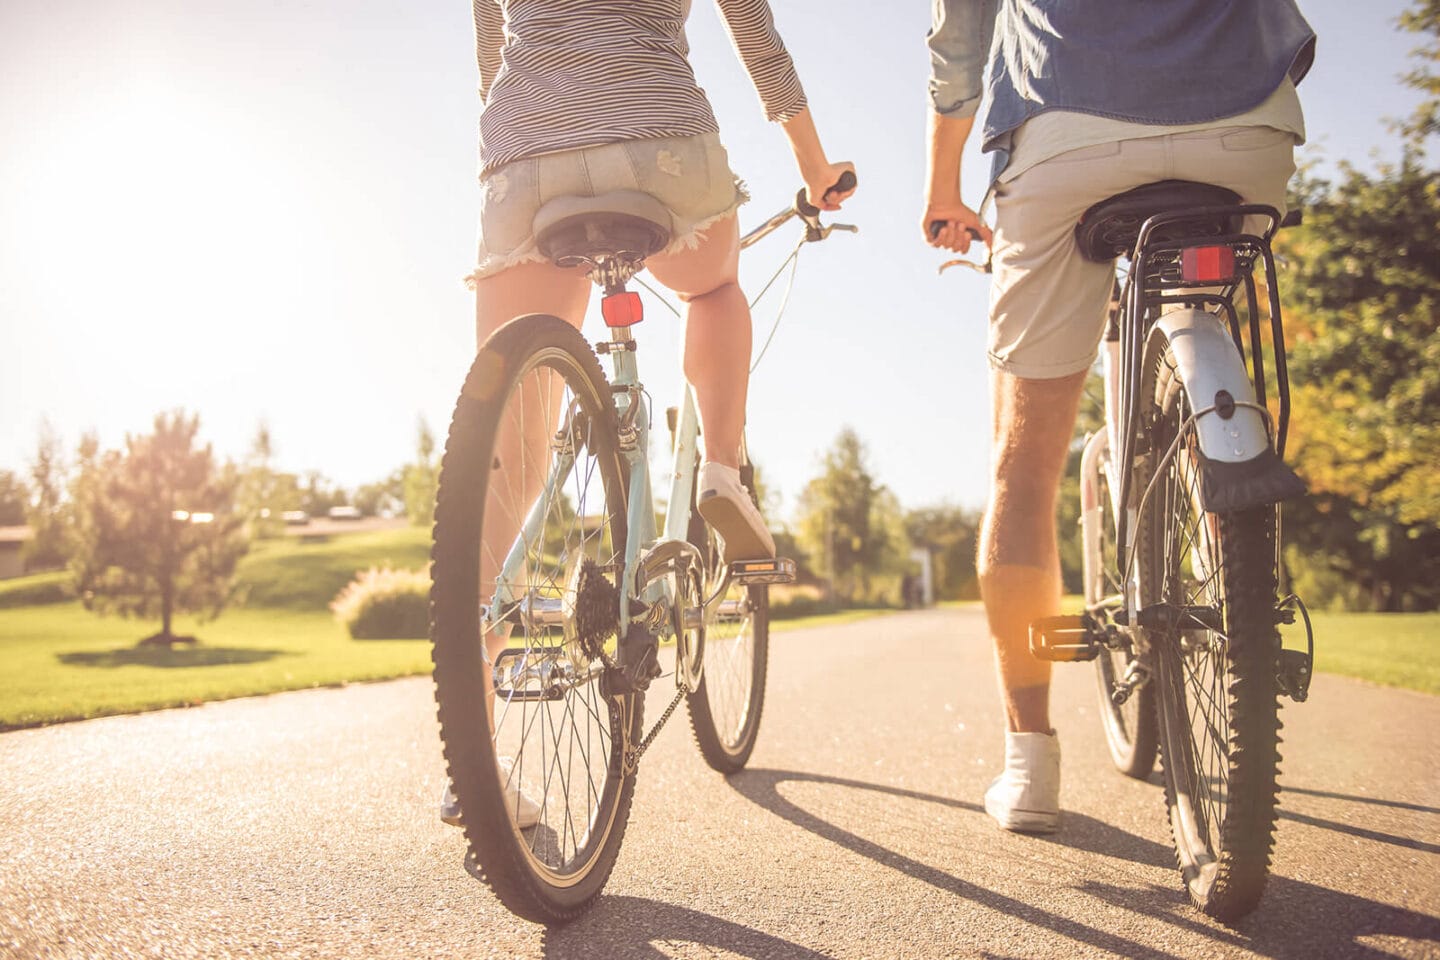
12	544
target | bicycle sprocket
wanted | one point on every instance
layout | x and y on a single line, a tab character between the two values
592	609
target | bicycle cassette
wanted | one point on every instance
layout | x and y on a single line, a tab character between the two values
591	608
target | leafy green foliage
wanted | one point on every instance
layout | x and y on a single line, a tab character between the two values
422	479
1361	290
48	514
850	523
156	529
264	494
14	499
950	534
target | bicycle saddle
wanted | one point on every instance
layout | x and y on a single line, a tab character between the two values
1109	228
571	230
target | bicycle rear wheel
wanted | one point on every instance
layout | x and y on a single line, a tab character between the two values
529	533
725	708
1216	663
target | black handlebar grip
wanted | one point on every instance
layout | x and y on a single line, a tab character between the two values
937	225
845	184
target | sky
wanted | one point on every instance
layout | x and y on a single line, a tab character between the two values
260	211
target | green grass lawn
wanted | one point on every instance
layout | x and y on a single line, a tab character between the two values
59	662
1396	649
64	663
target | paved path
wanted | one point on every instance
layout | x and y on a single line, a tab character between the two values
303	825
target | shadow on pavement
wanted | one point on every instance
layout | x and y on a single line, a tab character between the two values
762	788
1364	833
1294	919
622	928
161	657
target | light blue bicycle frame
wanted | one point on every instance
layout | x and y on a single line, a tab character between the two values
650	584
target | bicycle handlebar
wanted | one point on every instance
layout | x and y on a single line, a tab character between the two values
805	211
937	225
845	184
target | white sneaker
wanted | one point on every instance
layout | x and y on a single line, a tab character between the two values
726	505
525	810
1026	797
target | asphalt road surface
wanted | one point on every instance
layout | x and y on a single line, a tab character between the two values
304	825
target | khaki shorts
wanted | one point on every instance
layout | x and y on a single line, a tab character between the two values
1047	303
689	175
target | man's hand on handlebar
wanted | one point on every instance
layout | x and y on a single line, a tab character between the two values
952	226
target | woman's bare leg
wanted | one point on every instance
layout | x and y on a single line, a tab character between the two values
717	333
522	443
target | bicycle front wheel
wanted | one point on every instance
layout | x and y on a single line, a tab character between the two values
1216	659
529	538
725	707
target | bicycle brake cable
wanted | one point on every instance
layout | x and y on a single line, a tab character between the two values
792	261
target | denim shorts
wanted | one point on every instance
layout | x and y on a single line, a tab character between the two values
690	175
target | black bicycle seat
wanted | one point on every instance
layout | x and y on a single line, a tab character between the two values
571	230
1109	228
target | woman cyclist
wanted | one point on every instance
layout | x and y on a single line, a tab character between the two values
584	97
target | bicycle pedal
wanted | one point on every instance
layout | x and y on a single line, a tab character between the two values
772	570
1063	639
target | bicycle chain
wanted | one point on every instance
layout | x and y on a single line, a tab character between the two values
635	752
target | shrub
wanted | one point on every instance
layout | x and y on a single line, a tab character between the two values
385	604
56	586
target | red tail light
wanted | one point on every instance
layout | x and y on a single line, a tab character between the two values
1207	264
622	309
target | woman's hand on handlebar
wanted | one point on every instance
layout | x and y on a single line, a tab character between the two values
952	226
823	187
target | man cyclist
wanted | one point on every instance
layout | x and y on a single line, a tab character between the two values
1083	100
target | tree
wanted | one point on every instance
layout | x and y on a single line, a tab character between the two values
264	494
422	478
1361	292
1425	121
837	522
14	499
157	531
47	514
382	498
317	494
950	533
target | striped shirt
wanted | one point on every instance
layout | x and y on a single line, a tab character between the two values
566	74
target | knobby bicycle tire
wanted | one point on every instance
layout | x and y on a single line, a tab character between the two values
1216	690
513	861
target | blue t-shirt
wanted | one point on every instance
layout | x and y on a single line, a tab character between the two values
1147	61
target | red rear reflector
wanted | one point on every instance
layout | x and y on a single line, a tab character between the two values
622	309
1207	264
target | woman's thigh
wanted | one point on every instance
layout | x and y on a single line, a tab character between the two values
712	263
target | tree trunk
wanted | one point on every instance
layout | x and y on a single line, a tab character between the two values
167	604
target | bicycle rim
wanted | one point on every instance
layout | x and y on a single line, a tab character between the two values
528	731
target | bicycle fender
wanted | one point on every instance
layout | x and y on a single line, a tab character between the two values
1238	466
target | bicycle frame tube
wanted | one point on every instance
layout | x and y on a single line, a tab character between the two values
682	472
529	530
